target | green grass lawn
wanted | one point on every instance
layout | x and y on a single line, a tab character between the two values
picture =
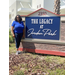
12	48
34	64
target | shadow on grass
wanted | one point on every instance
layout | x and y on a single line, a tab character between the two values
40	54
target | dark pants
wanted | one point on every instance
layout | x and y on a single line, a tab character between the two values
18	37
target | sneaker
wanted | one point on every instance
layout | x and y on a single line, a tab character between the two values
17	53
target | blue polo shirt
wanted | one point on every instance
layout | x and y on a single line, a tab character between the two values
18	27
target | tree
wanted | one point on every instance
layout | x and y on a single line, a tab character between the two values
57	6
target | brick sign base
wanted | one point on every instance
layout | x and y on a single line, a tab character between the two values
43	48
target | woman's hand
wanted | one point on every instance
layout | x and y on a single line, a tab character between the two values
13	35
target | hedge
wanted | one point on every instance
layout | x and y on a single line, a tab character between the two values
11	39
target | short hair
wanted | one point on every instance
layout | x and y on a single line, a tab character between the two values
19	17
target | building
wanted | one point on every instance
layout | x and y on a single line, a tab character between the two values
25	7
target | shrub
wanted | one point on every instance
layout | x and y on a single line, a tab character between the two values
11	39
10	32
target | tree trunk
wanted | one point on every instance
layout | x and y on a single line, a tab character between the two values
57	6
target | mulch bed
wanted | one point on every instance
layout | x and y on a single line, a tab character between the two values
31	63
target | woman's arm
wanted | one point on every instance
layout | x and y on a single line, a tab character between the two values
12	31
12	27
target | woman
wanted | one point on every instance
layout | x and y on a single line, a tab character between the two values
17	29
